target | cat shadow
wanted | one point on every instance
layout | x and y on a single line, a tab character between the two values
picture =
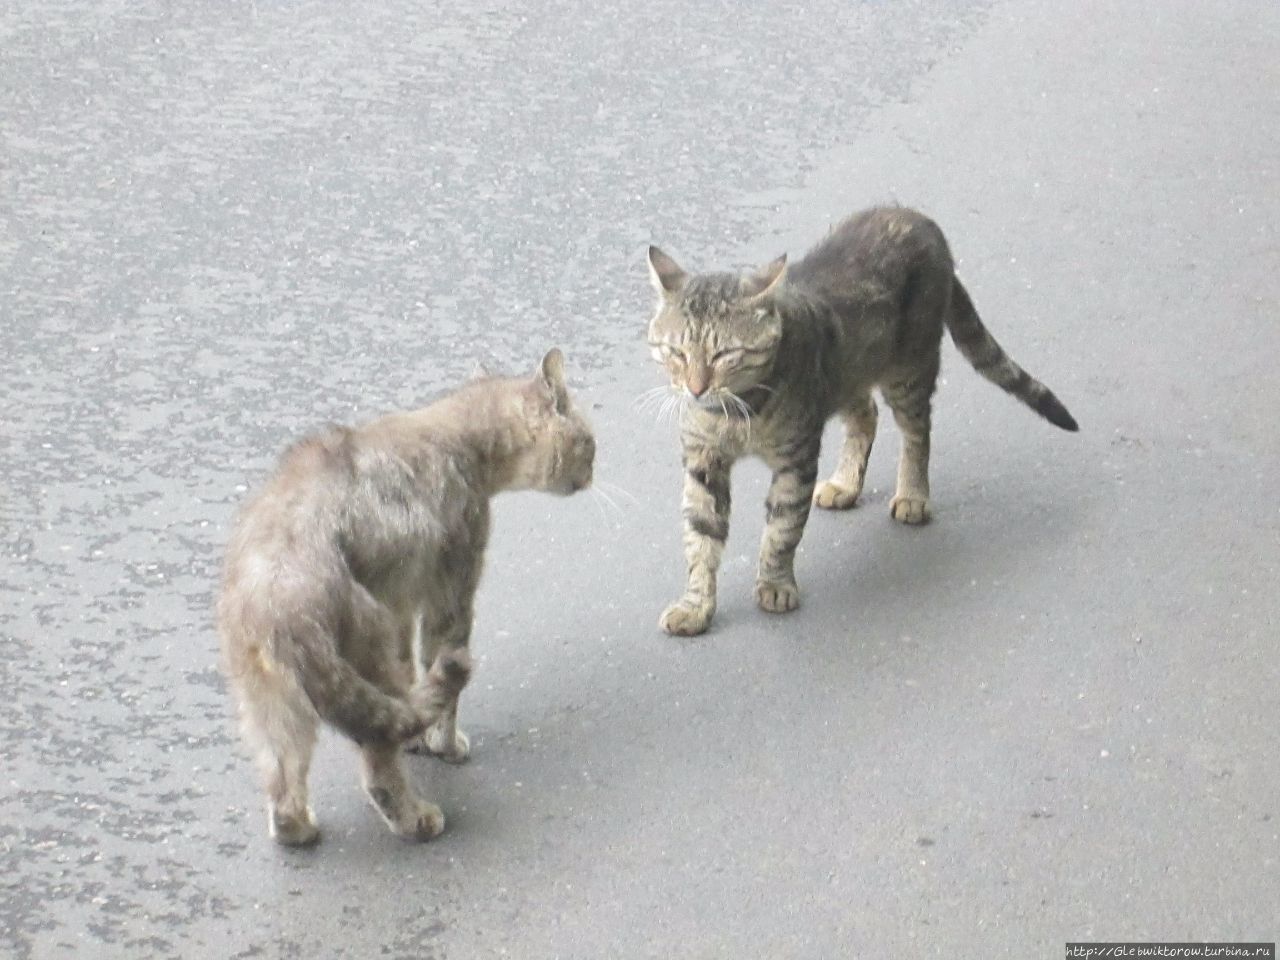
885	561
599	731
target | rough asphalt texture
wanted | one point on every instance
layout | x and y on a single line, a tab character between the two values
1049	716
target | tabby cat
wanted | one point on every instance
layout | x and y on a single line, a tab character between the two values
349	580
760	362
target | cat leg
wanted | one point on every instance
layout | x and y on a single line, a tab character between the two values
911	401
292	822
446	740
445	680
442	664
786	511
405	812
705	507
842	490
281	724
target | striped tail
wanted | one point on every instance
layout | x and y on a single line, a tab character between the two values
989	359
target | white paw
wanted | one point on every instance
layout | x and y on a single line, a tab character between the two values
456	752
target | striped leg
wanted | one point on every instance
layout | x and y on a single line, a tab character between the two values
786	510
911	402
705	507
842	490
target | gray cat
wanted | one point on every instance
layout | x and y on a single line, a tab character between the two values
761	362
349	579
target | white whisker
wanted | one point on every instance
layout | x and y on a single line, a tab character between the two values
651	397
649	404
606	498
595	498
671	408
741	406
623	491
724	409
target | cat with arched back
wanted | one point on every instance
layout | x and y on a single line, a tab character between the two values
350	577
759	362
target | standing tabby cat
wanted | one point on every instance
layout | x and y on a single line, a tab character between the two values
349	581
761	362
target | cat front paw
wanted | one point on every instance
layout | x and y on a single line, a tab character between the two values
438	745
830	496
777	597
684	619
435	743
909	510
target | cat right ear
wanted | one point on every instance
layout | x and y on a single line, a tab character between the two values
767	279
551	375
664	273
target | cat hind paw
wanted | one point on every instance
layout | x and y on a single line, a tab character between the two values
293	831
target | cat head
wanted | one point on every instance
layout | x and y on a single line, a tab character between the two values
715	333
561	453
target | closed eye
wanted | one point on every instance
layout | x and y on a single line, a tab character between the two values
728	356
663	353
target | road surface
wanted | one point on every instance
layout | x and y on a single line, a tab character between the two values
1049	716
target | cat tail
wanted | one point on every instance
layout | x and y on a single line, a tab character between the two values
975	342
345	699
281	653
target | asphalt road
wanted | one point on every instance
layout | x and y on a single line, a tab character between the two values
1049	716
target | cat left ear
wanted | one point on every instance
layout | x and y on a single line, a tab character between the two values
551	375
768	279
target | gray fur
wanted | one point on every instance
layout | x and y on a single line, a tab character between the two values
760	362
349	580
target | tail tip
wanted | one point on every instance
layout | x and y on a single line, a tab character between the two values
1051	408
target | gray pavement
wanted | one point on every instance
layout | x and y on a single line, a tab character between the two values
1049	716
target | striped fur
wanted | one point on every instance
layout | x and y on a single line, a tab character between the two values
759	362
977	346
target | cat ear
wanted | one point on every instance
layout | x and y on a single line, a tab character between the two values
551	376
665	273
767	279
